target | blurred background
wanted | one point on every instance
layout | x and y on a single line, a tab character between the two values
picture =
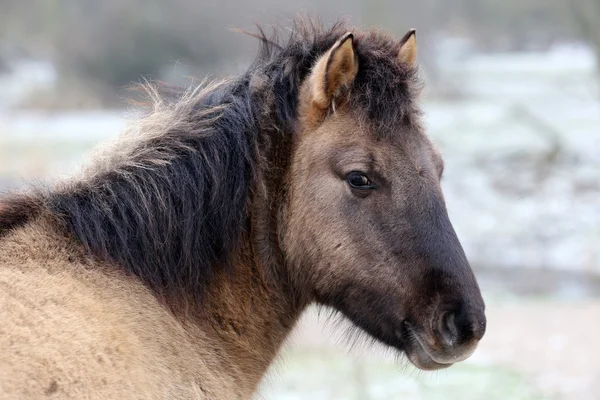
512	99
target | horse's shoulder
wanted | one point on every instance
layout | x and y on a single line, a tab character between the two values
81	328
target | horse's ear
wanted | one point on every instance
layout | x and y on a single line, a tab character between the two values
333	72
408	49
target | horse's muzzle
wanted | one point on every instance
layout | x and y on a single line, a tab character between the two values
451	337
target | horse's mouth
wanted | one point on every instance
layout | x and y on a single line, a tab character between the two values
423	356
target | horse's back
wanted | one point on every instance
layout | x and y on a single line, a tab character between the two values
77	331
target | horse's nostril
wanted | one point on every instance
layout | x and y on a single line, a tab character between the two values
449	329
459	327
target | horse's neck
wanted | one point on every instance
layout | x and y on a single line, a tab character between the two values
251	316
253	307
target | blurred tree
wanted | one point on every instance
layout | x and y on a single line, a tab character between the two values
114	42
587	14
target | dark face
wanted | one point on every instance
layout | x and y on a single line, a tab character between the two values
368	233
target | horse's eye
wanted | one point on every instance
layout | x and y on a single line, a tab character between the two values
358	180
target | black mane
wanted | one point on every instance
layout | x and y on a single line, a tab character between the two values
173	207
176	209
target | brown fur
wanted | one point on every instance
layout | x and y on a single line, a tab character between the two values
76	328
172	269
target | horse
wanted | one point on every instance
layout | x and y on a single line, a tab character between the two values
177	261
